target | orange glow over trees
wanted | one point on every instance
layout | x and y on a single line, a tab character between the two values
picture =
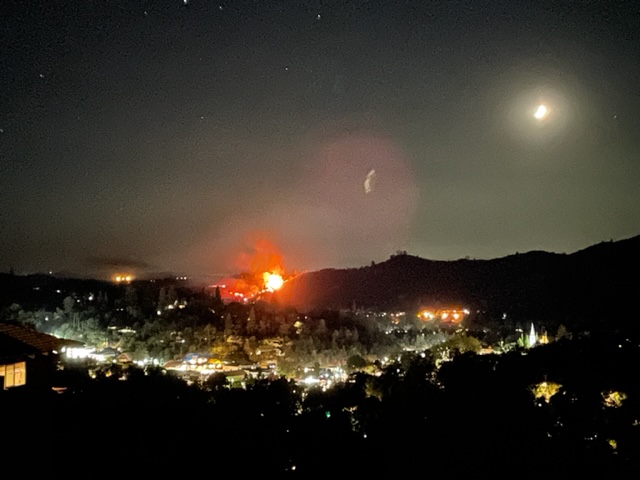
263	270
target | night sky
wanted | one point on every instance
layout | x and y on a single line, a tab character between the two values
191	136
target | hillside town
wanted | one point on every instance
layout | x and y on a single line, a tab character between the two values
196	334
356	378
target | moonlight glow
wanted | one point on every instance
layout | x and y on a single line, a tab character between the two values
190	131
541	112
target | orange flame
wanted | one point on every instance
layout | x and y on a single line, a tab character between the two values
262	266
272	281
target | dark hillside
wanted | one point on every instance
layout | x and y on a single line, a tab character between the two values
591	287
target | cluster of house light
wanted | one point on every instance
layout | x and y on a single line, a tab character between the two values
444	315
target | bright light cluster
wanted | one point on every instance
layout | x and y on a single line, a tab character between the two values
447	315
272	281
541	112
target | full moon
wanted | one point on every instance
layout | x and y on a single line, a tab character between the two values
541	112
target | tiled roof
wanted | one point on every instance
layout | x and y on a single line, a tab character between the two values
10	348
40	342
173	364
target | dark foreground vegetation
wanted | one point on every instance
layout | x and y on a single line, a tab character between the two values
552	411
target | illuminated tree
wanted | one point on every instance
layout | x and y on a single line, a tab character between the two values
68	304
321	329
562	332
613	398
545	390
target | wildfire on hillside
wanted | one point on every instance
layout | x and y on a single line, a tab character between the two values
272	281
263	273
